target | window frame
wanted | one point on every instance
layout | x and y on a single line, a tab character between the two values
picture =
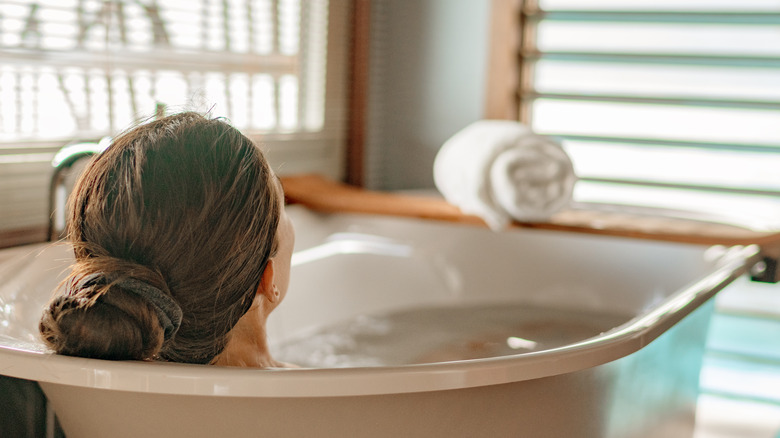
322	151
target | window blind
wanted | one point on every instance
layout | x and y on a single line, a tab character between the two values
78	70
667	103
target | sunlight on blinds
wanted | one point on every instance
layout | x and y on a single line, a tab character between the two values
664	5
668	103
673	92
79	70
671	81
659	121
88	68
665	37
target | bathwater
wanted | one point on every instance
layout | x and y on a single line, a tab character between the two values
441	334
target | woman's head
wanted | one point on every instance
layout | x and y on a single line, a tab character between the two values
179	213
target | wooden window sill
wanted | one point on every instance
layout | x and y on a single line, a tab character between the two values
321	194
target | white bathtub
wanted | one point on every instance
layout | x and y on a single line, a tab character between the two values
637	379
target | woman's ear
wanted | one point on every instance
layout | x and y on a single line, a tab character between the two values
266	286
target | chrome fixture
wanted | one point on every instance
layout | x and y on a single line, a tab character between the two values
63	163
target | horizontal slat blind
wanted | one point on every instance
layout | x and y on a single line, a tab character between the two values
659	101
76	70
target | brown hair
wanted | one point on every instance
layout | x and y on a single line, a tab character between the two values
184	204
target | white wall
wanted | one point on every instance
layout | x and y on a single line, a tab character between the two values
428	69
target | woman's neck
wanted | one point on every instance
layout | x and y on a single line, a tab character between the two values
248	344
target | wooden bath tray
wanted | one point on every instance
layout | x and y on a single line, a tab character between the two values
321	194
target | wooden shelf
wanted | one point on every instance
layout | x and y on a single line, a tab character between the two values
321	194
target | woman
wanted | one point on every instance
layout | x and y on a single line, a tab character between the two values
182	249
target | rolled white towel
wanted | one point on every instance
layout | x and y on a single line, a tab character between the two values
499	170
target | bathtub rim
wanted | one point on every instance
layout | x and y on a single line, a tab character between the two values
188	379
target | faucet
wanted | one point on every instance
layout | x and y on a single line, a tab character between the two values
62	163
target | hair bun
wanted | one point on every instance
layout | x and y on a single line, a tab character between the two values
111	315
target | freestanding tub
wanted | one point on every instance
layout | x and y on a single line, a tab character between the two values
638	378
